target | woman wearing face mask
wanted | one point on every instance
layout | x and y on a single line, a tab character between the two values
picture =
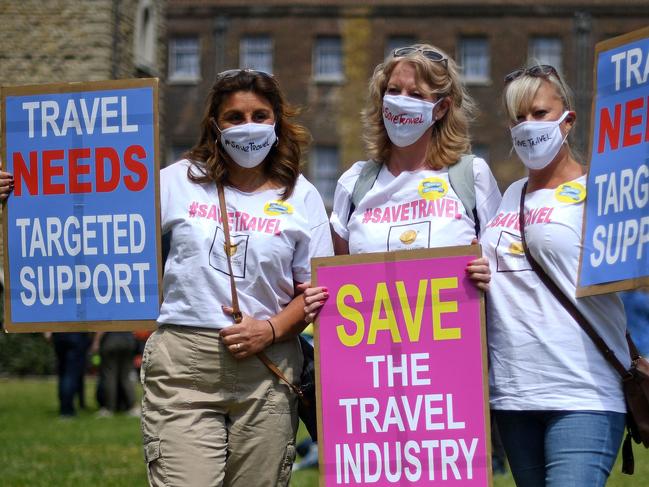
557	402
212	413
416	129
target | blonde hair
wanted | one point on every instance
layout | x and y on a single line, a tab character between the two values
519	93
450	134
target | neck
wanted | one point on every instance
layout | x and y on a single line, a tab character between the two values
247	180
409	158
563	168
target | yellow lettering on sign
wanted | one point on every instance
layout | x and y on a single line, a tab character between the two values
413	325
350	314
382	300
440	307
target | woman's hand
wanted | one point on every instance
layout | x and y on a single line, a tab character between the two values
314	298
6	185
247	338
479	272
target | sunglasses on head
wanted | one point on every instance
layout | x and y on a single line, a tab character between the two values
232	73
428	53
538	71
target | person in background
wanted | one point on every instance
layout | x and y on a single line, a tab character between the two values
116	370
212	413
557	401
71	351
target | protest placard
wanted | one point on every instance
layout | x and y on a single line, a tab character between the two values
615	252
402	370
82	226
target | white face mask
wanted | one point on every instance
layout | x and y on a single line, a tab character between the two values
406	119
538	143
248	144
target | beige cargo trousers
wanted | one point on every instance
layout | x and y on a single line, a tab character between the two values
209	420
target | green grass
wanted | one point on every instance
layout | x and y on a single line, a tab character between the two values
40	450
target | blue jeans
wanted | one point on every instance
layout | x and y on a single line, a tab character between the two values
561	448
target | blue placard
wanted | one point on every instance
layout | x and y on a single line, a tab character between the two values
616	228
81	223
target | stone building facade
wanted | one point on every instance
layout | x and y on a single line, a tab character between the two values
53	41
323	52
47	41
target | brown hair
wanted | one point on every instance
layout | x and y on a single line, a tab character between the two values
450	135
282	164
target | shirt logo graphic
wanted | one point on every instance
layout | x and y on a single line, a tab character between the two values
231	249
275	208
516	248
570	193
432	188
408	237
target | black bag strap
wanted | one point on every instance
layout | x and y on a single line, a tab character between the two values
608	354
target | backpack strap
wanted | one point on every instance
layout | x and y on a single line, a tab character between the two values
364	183
462	180
460	176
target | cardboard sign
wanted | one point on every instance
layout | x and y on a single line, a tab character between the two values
402	370
615	253
82	226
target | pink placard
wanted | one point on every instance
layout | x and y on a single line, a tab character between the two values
402	371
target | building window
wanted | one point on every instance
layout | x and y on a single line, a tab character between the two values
184	59
328	59
256	52
395	42
545	50
474	59
145	38
325	162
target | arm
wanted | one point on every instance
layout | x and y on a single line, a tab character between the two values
96	340
252	336
315	297
341	246
487	193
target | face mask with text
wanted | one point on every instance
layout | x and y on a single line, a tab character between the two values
406	119
248	144
538	143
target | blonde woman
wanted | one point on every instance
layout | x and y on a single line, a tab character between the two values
557	401
416	128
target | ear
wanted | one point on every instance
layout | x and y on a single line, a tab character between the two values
570	119
442	108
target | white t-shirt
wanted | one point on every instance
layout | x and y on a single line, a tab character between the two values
275	241
416	209
540	358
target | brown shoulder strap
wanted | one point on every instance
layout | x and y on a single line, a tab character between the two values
233	288
563	299
227	247
275	370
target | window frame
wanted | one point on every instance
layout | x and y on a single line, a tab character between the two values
318	154
180	77
268	51
338	77
534	39
462	57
